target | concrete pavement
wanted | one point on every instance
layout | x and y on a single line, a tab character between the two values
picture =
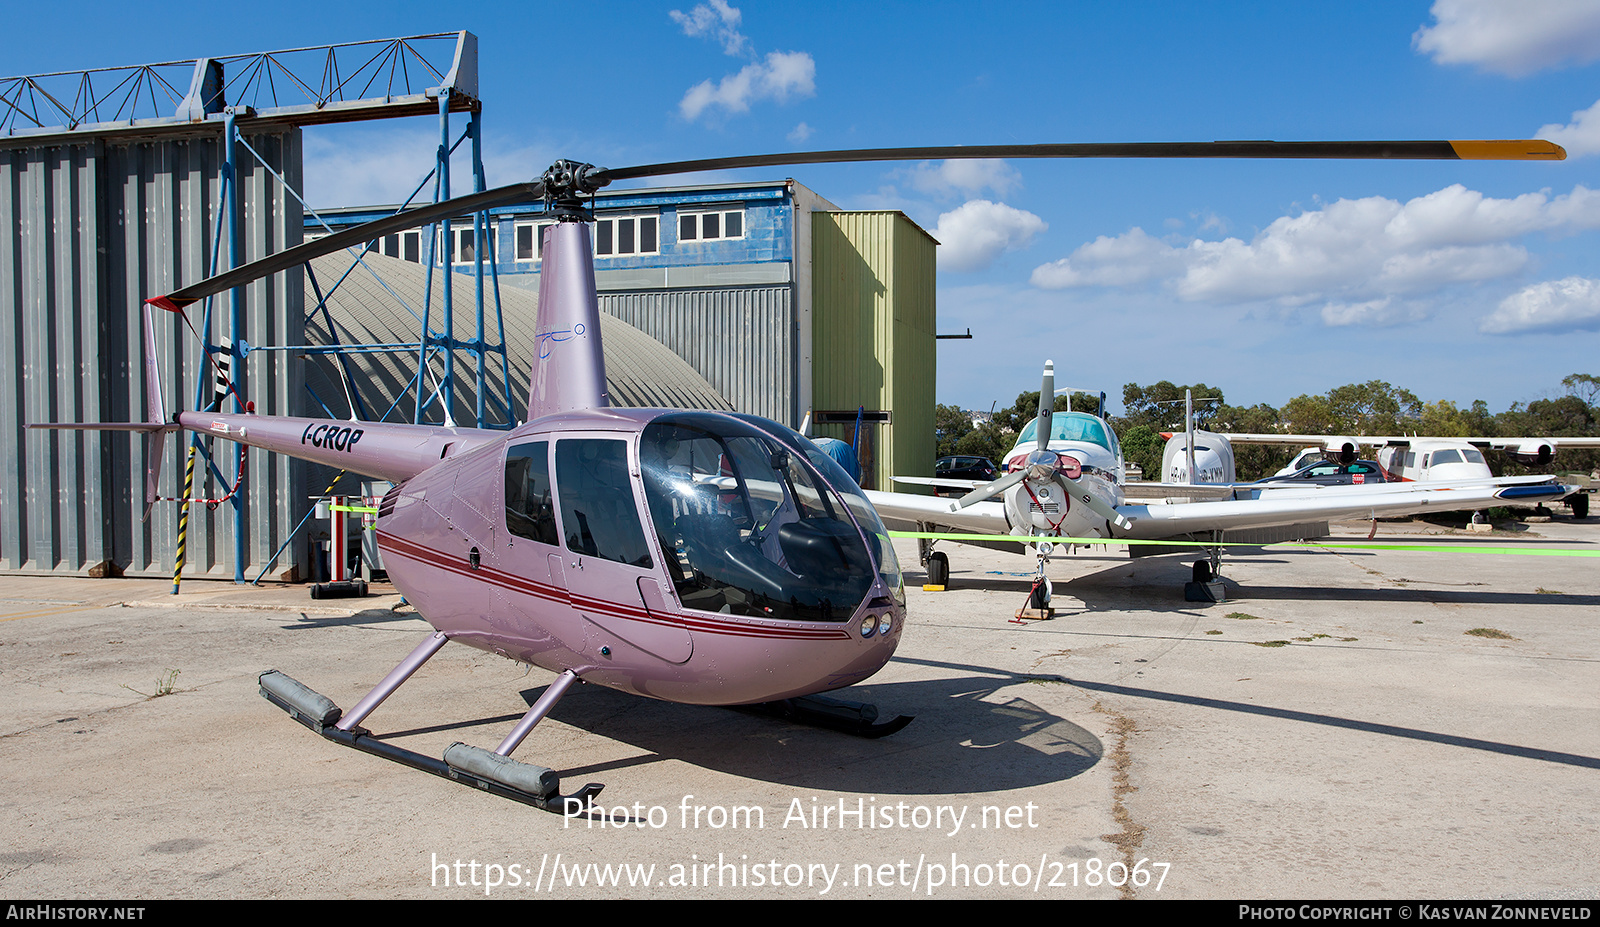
1379	751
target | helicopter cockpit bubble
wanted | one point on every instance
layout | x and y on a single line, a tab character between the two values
746	526
845	485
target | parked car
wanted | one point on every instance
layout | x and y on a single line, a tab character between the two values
1334	473
978	469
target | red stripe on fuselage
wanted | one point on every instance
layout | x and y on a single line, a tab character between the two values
704	624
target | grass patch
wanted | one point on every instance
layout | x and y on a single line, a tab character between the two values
1213	632
1494	633
1543	591
1241	616
1271	643
165	685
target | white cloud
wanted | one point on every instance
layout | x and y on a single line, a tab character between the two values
1580	137
1572	304
973	235
1353	255
377	164
1126	260
800	133
781	76
1512	38
716	18
964	176
1383	312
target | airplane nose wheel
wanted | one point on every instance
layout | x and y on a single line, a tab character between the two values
1039	595
1038	606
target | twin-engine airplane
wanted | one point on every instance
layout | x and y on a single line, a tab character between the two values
695	557
1066	480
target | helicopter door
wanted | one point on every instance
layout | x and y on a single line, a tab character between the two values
610	572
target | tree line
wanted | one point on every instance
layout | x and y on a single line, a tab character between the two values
1356	409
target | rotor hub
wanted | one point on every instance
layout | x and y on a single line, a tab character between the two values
565	181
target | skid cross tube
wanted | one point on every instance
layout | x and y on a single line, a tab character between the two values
547	701
392	681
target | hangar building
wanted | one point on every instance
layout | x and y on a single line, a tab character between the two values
775	302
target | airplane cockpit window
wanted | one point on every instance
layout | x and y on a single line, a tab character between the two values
1071	426
746	526
529	513
1474	456
598	515
1446	456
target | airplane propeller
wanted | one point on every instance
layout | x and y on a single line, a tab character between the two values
1043	465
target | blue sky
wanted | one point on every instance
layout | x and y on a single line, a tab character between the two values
1456	280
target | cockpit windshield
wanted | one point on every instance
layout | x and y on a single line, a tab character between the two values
747	526
865	515
1071	426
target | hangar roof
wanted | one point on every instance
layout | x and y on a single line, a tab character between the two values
640	371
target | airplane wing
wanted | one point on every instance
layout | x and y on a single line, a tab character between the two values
902	510
1511	444
939	482
1260	507
1271	506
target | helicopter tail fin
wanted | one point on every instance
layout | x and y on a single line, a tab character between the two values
153	428
569	371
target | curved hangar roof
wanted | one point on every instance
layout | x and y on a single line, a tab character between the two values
640	371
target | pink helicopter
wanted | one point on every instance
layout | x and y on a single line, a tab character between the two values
697	557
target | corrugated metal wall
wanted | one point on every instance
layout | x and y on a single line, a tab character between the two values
873	324
88	229
741	339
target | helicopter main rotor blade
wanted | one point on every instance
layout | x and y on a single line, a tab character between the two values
357	235
1476	150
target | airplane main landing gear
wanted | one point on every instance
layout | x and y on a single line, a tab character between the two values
1205	584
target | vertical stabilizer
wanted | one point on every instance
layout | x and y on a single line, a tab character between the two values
155	411
568	370
1188	436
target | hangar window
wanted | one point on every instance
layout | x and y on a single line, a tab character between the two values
530	240
620	236
710	226
465	241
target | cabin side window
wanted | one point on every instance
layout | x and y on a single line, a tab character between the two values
598	514
529	511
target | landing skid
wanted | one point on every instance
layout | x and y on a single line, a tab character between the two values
463	763
856	718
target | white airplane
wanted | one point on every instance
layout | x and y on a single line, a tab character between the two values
1423	459
1066	479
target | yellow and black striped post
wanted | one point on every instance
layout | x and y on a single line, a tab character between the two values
183	517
